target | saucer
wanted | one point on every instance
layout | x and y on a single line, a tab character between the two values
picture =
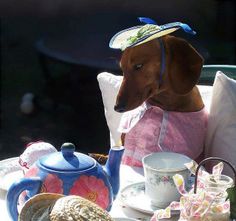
134	197
10	171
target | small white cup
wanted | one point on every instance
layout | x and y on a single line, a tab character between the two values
159	169
224	182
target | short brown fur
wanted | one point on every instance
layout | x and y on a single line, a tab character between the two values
141	69
182	71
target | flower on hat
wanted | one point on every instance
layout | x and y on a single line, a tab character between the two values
93	189
144	31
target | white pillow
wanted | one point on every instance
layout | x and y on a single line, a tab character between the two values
221	132
109	85
206	94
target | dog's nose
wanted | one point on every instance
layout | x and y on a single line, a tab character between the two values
119	108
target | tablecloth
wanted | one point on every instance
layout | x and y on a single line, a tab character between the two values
128	176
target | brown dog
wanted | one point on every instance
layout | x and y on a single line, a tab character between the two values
141	69
177	91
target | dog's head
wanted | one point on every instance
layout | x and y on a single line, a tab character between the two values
141	66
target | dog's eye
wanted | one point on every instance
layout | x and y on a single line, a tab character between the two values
138	66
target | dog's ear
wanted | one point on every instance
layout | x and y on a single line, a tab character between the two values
184	64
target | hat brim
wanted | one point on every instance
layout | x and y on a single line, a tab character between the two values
38	207
119	40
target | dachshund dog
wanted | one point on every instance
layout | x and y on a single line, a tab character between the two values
163	108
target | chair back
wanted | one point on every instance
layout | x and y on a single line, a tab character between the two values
209	71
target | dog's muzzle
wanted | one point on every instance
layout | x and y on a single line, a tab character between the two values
120	108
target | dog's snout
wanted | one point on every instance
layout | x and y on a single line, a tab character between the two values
119	108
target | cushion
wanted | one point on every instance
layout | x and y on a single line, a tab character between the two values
109	85
221	132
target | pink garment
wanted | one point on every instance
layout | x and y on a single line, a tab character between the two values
150	129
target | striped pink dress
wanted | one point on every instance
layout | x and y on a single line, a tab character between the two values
150	129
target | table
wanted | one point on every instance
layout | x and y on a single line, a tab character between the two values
4	215
129	175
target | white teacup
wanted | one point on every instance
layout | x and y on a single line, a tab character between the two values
159	168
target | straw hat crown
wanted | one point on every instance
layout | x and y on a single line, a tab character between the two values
140	34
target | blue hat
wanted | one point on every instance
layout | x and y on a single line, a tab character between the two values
143	33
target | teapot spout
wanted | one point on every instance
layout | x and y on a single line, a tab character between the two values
112	167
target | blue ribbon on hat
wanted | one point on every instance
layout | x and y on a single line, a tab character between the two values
181	25
150	21
147	20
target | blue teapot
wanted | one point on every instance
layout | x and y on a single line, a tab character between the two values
70	173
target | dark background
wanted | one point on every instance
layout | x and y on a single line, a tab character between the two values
68	107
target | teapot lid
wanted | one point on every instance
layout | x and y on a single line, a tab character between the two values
67	160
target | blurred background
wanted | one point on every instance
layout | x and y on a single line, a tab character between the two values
52	51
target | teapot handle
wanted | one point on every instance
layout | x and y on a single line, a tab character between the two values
33	185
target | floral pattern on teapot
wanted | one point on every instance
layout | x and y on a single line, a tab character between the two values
70	173
91	188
